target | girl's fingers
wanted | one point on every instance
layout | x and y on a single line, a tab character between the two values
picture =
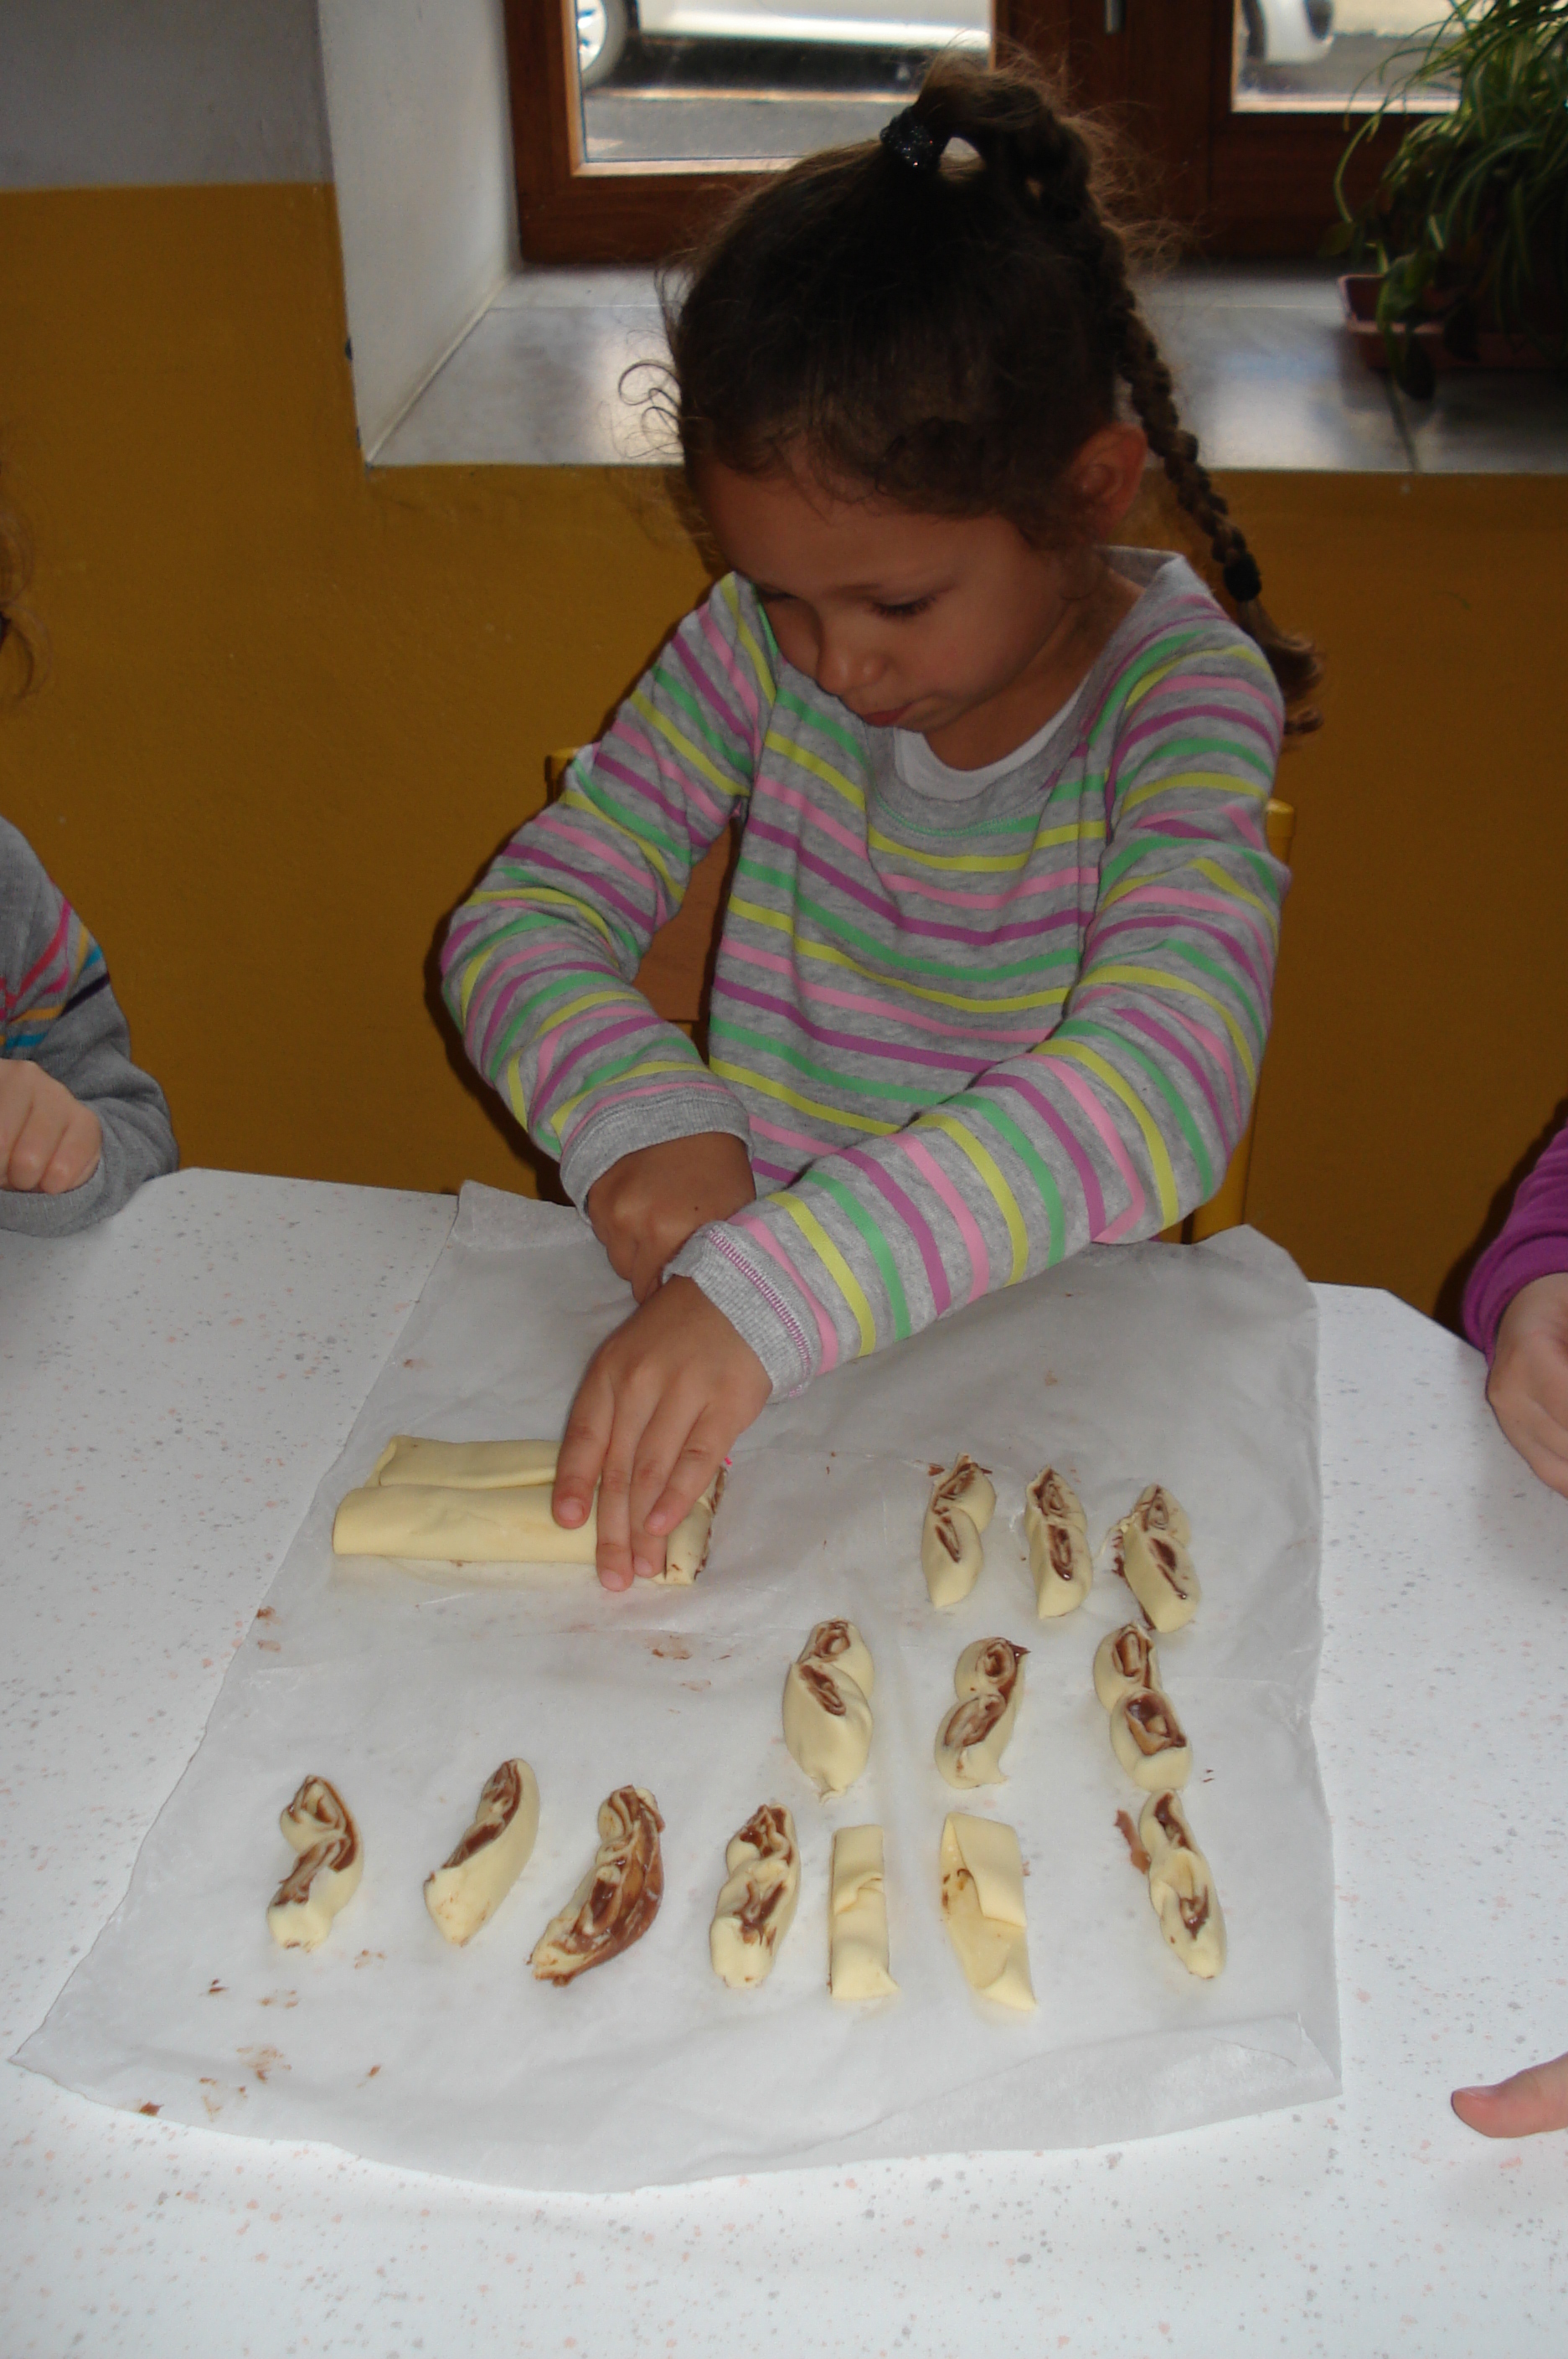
699	1460
1531	2101
75	1159
36	1143
582	1448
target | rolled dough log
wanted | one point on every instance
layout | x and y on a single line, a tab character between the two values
983	1907
489	1502
857	1925
468	1888
970	1743
618	1898
326	1876
757	1905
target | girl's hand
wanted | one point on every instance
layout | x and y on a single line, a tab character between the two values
654	1418
1529	1384
645	1207
49	1140
1531	2101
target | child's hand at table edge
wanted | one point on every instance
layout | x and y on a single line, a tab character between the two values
1530	2101
1529	1384
49	1140
643	1207
664	1398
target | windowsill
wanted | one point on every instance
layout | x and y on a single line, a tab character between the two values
1266	378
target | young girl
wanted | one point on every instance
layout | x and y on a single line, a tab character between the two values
995	972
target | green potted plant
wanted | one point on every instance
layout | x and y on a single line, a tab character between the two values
1467	226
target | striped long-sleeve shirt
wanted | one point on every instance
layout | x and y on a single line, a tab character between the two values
59	1010
962	1038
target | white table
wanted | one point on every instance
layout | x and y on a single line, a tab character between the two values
172	1389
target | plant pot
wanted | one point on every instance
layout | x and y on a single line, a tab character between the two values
1358	295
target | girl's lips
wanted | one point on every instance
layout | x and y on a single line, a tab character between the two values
883	720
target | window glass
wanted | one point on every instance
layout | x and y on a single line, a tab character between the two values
693	81
1321	56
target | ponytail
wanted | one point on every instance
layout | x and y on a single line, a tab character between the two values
18	632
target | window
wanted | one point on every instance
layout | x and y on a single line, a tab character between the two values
630	115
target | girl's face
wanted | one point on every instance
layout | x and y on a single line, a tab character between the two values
955	626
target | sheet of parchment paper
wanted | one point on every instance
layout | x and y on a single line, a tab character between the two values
1196	1366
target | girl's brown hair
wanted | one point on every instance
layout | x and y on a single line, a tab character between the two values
943	333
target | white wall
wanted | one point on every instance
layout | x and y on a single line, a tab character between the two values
117	93
421	149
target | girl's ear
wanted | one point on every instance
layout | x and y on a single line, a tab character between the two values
1106	475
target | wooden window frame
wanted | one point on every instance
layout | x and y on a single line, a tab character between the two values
1241	184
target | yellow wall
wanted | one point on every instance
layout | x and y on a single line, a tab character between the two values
292	708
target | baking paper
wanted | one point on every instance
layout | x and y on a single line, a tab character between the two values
1193	1366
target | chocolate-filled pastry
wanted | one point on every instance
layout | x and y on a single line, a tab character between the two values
326	1876
1125	1660
989	1683
983	1907
466	1890
1151	1546
827	1714
1181	1887
757	1905
857	1920
1150	1741
962	1504
618	1898
1058	1545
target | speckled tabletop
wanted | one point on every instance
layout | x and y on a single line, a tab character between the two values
172	1389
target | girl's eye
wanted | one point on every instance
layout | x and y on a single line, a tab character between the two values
906	613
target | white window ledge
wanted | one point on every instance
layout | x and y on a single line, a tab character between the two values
1265	376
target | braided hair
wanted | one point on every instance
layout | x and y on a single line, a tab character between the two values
941	317
19	635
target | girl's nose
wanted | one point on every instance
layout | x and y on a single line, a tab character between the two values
841	668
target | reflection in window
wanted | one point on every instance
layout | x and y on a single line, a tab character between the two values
1301	57
693	81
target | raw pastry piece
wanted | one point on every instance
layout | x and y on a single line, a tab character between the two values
989	1683
757	1905
961	1505
467	1465
827	1716
489	1502
1123	1661
466	1890
326	1874
618	1898
983	1907
1182	1888
1058	1545
841	1644
857	1927
1150	1741
1151	1546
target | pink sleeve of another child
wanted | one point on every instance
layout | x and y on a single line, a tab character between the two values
1534	1243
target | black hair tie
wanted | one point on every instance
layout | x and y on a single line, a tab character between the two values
911	139
1241	578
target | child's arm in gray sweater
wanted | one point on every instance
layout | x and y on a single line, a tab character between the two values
57	1010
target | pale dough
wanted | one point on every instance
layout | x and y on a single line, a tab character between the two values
326	1876
489	1502
757	1905
961	1504
989	1683
1125	1660
983	1907
1151	1549
1181	1887
1150	1741
827	1714
857	1927
1058	1545
467	1889
618	1898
